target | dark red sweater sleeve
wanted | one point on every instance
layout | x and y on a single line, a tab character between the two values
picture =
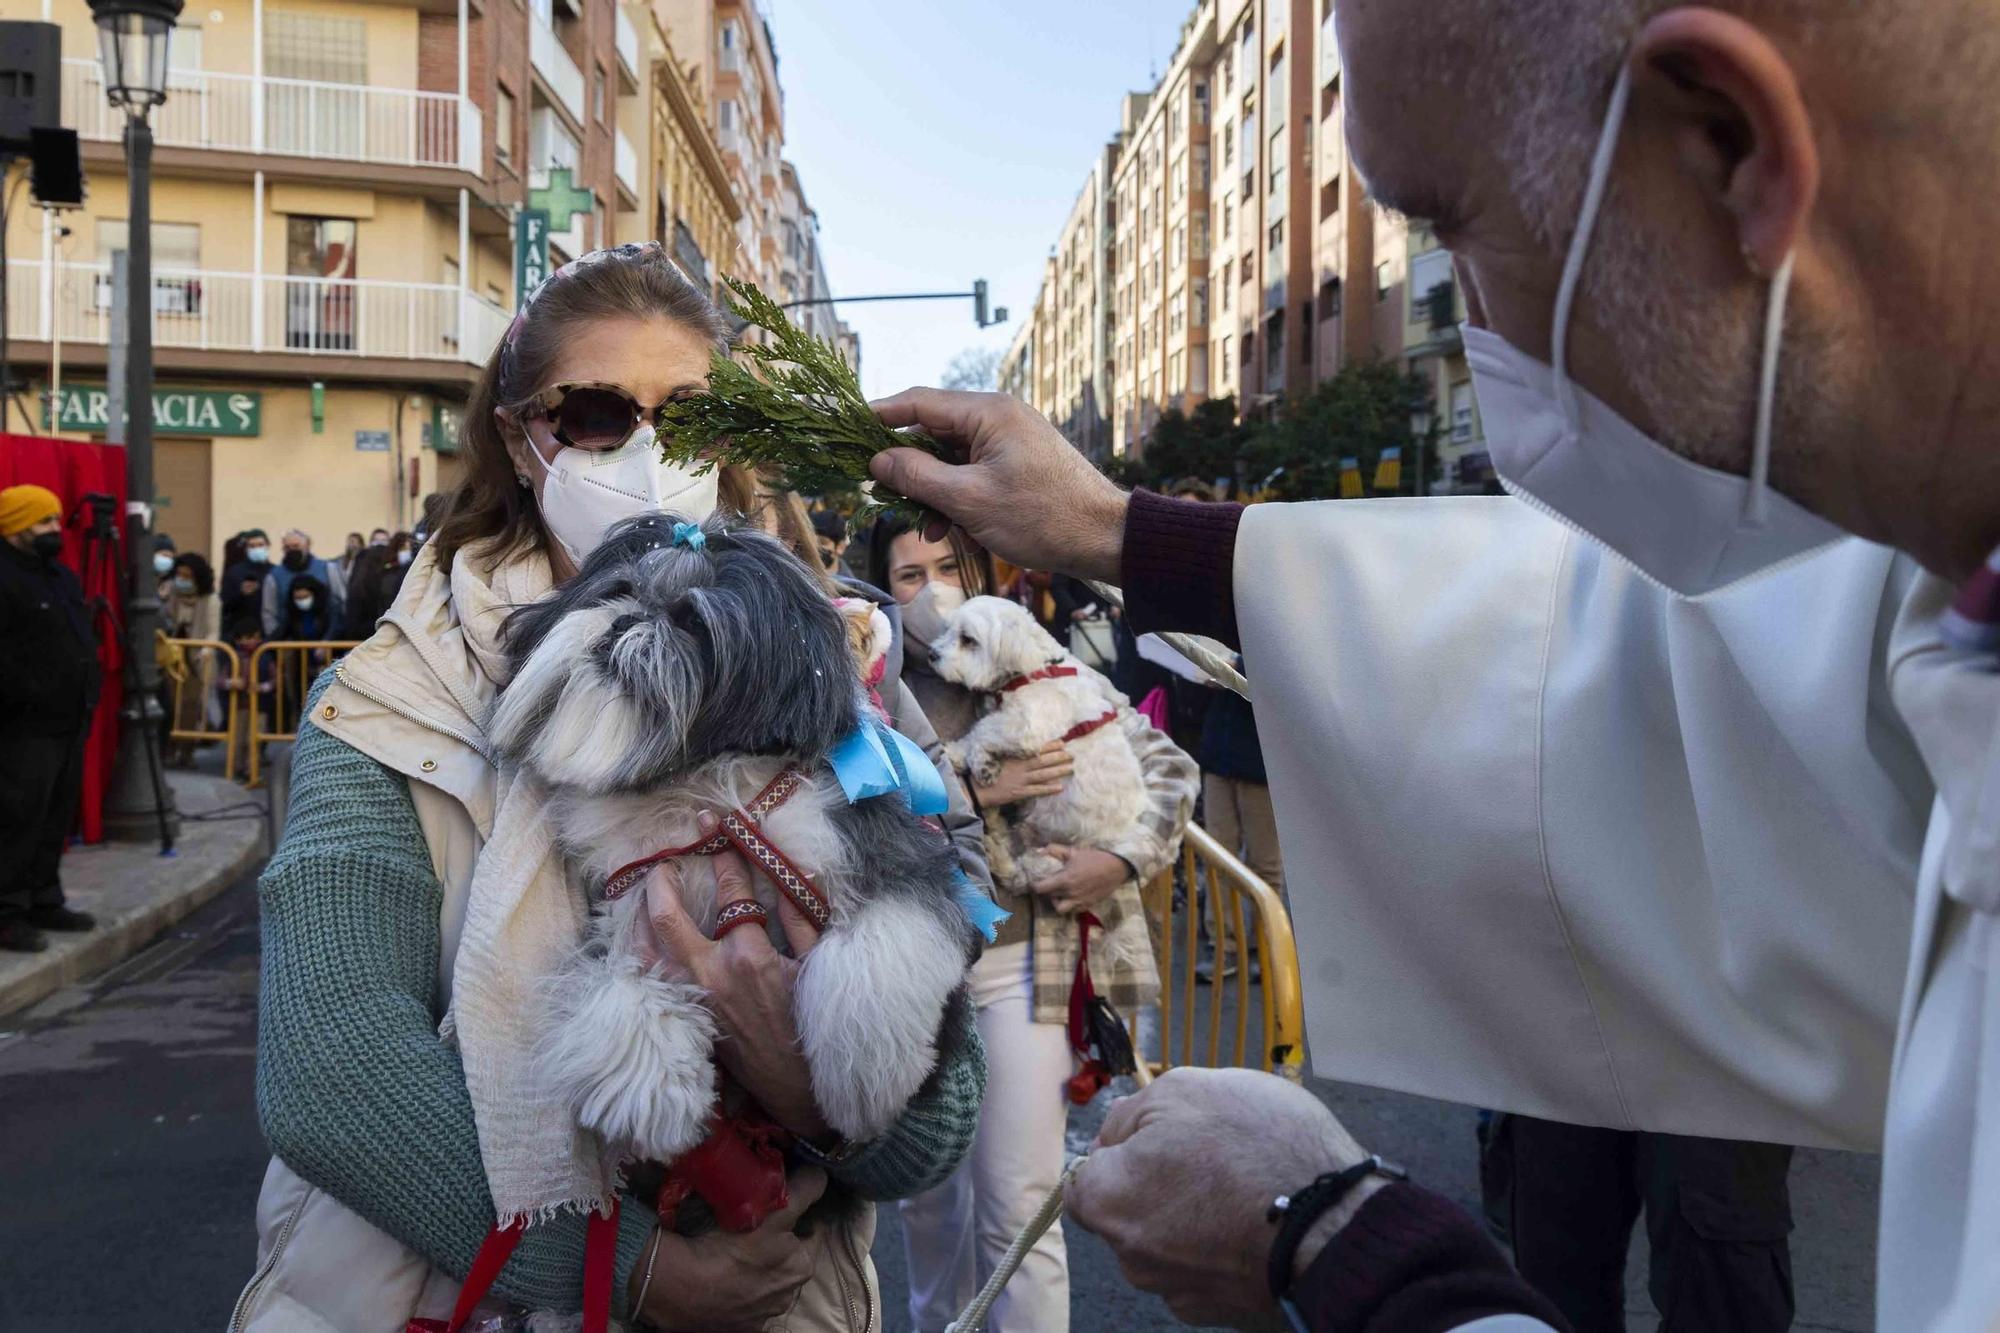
1179	566
1412	1262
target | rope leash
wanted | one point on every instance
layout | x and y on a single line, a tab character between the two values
973	1317
1212	664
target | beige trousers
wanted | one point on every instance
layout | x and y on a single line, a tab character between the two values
1238	815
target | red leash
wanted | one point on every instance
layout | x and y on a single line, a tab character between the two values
600	1258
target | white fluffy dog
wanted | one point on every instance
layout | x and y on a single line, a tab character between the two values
686	671
1042	694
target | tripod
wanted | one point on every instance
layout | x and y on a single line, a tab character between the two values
104	549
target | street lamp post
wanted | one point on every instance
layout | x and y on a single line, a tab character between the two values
132	41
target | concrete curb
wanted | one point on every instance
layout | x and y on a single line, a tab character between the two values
136	895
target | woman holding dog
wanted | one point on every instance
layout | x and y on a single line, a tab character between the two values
415	901
956	1233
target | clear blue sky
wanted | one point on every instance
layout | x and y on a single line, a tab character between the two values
945	140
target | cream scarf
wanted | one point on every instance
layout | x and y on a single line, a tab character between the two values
522	920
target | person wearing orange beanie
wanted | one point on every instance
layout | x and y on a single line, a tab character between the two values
49	681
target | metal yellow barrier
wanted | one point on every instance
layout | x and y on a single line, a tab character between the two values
1248	927
280	674
181	666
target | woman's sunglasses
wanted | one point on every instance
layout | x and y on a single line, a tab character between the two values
592	416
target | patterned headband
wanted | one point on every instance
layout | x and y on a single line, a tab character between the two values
631	250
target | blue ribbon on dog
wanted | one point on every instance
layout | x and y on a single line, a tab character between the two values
690	535
984	914
874	760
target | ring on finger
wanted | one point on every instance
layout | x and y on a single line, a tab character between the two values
740	913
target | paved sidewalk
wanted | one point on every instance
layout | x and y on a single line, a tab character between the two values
136	893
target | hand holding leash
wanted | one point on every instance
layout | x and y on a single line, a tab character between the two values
1234	1139
749	985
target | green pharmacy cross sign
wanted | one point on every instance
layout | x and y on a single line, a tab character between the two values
561	199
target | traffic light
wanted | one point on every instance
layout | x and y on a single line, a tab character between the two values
979	302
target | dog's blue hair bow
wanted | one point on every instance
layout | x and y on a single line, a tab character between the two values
690	535
874	760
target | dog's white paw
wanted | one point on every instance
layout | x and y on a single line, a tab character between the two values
632	1055
869	1000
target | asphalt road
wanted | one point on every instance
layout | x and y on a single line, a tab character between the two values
133	1159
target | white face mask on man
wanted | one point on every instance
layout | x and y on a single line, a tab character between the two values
584	492
1692	529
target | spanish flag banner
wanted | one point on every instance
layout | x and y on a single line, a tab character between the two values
1389	472
1350	479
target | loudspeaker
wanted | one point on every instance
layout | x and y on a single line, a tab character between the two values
30	81
55	167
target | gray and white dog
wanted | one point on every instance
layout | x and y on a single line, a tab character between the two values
678	675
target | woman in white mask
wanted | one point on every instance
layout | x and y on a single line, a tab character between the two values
415	897
955	1234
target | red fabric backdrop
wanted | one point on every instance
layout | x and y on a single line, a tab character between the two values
73	469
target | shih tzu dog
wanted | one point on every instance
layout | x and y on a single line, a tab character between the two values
1041	694
699	669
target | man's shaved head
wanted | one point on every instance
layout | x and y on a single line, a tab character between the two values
1483	116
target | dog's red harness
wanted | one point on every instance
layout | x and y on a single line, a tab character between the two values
739	1169
741	829
1082	729
1057	671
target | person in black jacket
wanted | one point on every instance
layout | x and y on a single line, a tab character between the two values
243	580
49	681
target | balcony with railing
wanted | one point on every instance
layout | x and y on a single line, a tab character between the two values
206	310
553	63
291	117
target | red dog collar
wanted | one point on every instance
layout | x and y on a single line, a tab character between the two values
1053	671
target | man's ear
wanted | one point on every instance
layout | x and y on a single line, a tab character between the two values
1742	114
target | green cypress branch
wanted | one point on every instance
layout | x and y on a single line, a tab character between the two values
805	414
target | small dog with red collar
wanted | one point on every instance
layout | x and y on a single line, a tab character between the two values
1039	694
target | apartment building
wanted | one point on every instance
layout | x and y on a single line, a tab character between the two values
333	197
336	190
1016	374
1245	257
735	66
1163	178
1079	304
687	200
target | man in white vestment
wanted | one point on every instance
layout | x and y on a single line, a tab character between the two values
1719	742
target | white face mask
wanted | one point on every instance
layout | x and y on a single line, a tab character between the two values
1689	528
585	492
162	563
924	616
403	556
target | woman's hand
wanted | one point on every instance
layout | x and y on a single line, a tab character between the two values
1025	778
727	1281
1087	878
749	987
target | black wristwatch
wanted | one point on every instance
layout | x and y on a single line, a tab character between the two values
1296	1213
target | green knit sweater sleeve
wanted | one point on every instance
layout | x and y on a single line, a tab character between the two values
356	1091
